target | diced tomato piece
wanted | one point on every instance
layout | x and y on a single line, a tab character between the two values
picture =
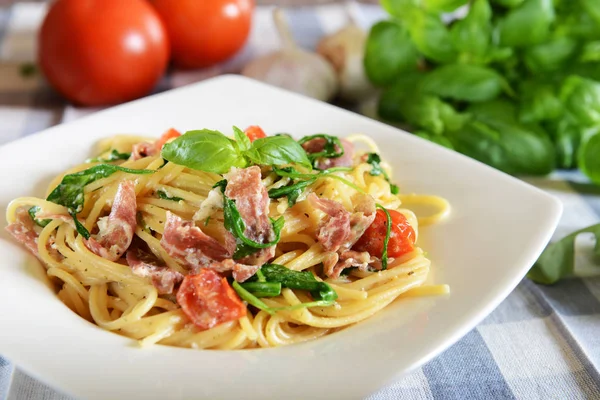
255	132
208	300
402	236
168	135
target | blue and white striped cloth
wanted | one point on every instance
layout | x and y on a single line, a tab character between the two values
541	343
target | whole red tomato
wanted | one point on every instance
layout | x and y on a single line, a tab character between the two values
205	32
98	52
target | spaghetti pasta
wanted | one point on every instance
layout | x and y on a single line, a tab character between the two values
126	275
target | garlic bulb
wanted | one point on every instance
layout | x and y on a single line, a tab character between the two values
345	50
294	69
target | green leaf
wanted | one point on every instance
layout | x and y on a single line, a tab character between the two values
508	3
589	154
496	138
163	195
389	52
241	139
558	259
550	56
300	280
250	298
292	191
263	289
40	222
113	156
472	35
70	191
386	240
443	5
204	150
590	52
398	8
592	7
464	82
430	35
567	138
581	98
437	139
539	102
277	150
333	147
375	160
528	24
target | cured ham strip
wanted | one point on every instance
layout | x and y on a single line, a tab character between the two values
116	230
23	230
252	201
318	144
189	245
241	272
163	278
336	263
334	232
147	149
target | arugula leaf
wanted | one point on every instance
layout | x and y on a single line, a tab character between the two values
300	280
40	222
277	150
430	35
389	52
465	82
581	98
263	289
204	150
241	139
291	191
250	298
388	232
589	154
558	259
528	24
113	156
375	160
69	192
235	224
163	195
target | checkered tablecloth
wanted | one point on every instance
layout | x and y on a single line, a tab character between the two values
540	343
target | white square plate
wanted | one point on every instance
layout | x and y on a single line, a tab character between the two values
497	229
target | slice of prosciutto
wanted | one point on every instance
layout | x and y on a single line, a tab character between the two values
116	230
143	149
335	230
317	145
23	230
189	245
336	263
252	201
163	278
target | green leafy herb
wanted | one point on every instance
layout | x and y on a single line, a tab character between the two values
437	139
589	154
557	261
211	151
386	241
41	222
114	155
250	298
581	98
472	35
375	160
429	34
69	192
291	191
528	24
163	195
389	52
206	221
235	224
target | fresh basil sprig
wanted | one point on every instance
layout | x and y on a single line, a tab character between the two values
235	224
328	151
375	160
113	156
69	192
163	195
558	259
211	151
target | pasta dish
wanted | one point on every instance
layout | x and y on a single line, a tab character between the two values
210	241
